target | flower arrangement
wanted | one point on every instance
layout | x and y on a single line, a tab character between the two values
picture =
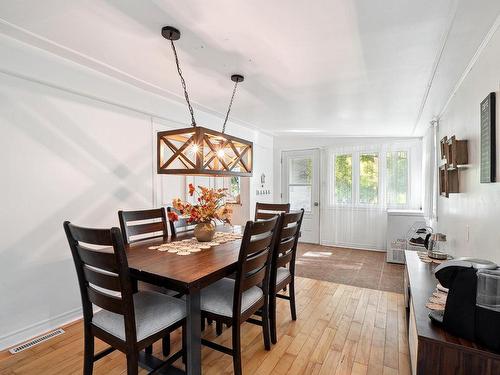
211	206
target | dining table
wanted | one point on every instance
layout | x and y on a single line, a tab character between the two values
186	274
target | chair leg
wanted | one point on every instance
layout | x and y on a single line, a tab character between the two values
272	318
88	355
218	327
237	349
149	349
132	364
184	345
265	326
292	300
165	345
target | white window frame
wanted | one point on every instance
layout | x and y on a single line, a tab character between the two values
333	201
212	183
408	177
358	184
292	184
382	151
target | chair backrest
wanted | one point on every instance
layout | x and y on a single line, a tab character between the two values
287	237
179	226
265	211
102	269
255	258
143	222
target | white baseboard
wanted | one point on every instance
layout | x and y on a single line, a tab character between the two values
36	329
353	246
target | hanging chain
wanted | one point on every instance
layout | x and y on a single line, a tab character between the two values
183	82
229	108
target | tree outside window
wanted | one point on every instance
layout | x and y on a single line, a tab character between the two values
343	179
397	178
368	178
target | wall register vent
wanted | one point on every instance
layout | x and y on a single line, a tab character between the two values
36	341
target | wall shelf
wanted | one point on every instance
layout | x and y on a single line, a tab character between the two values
454	152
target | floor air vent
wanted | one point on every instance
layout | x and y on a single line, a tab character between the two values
36	341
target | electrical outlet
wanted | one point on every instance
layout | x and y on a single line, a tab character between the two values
467	233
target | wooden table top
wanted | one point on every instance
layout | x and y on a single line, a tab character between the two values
182	273
422	284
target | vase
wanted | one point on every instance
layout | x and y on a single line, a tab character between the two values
204	232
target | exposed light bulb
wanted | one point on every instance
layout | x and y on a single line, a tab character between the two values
195	148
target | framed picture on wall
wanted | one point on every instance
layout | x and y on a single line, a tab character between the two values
488	139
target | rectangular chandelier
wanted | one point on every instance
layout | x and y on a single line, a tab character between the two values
201	151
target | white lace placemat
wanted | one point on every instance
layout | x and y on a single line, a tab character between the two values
438	299
192	245
426	259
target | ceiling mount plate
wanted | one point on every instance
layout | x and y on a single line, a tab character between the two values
170	33
237	78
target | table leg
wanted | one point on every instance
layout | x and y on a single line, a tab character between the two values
193	333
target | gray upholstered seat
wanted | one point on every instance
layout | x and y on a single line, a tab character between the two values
153	313
218	297
281	274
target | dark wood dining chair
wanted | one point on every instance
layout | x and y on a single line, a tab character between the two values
128	321
179	226
235	301
147	224
268	210
283	265
144	223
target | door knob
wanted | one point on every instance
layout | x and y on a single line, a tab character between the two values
316	204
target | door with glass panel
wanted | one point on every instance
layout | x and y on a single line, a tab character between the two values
300	187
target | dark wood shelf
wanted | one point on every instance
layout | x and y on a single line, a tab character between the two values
455	154
432	349
448	181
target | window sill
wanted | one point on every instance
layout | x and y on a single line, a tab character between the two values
365	207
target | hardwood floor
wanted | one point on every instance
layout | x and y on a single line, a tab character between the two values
341	329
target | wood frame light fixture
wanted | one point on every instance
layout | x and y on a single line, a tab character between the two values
198	150
201	151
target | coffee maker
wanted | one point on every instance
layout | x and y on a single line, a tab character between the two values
472	308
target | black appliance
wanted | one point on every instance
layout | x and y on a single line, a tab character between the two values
472	308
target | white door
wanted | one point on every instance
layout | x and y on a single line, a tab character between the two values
300	187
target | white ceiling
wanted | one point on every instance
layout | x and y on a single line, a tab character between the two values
323	67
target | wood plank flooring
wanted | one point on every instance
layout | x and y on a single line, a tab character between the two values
341	329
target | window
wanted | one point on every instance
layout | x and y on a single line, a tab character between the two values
301	171
300	183
397	178
368	178
343	179
375	176
233	185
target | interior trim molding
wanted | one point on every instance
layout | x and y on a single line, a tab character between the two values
486	40
354	246
25	36
84	94
36	329
435	65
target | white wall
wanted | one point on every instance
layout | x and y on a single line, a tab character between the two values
477	206
75	145
358	227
